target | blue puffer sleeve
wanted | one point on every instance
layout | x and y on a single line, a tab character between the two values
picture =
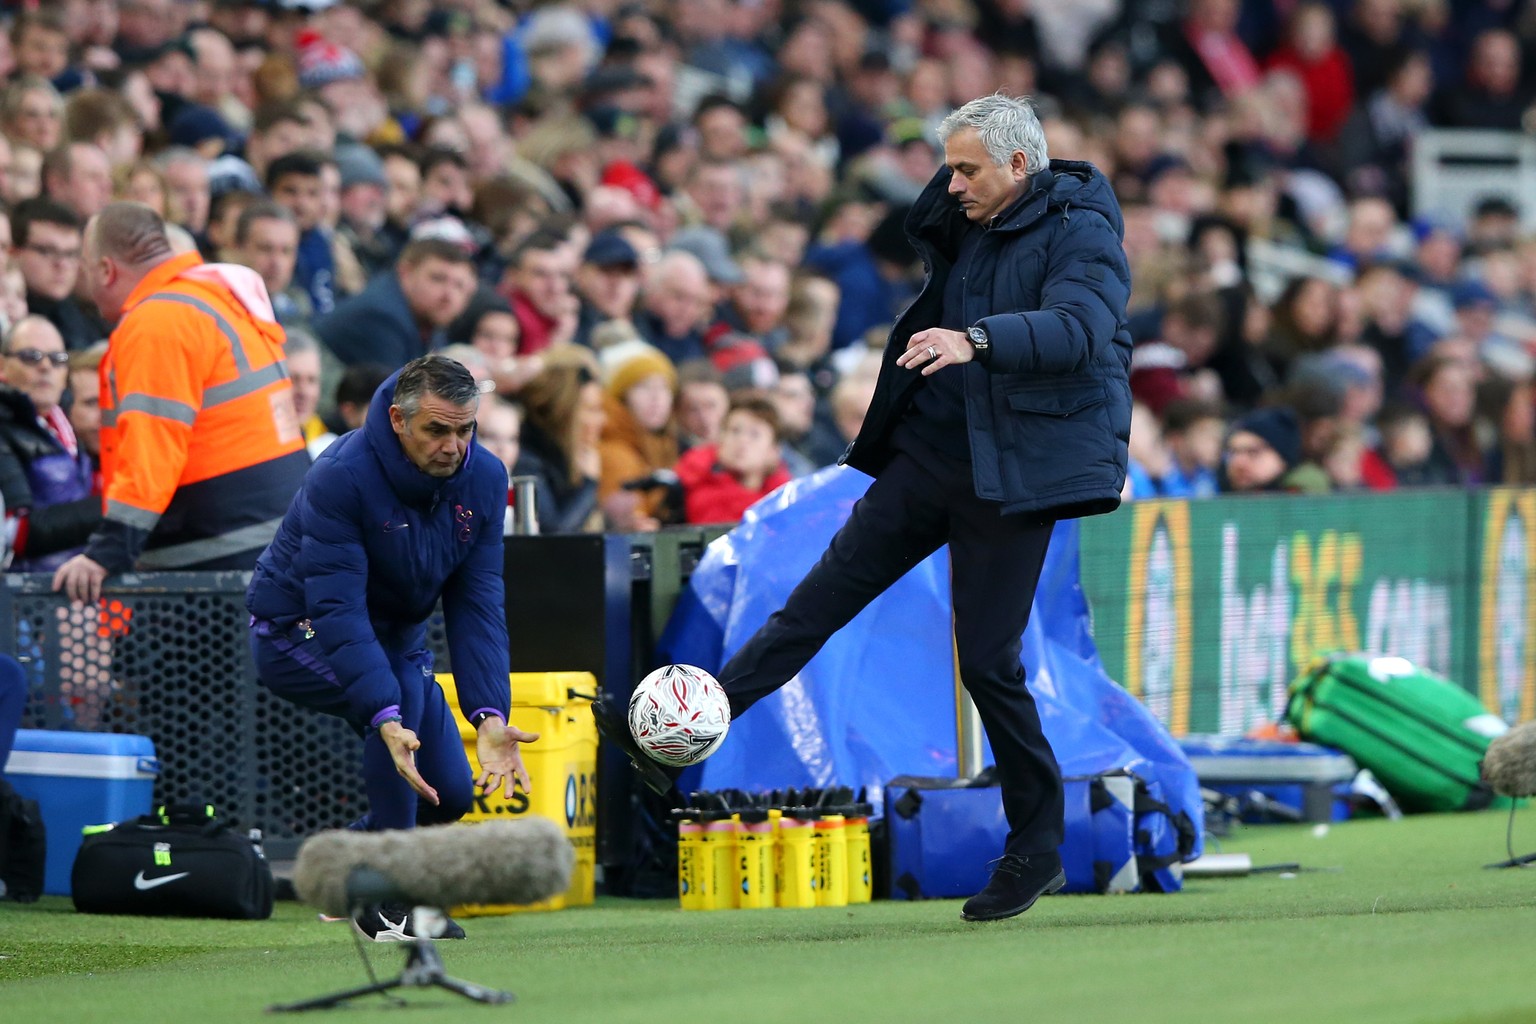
474	604
336	588
1082	303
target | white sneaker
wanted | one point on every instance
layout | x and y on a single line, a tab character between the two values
392	922
384	922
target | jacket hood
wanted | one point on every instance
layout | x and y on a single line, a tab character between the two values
1066	185
410	484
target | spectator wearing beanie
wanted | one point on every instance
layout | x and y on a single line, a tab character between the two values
323	63
607	283
364	222
203	130
1263	452
640	436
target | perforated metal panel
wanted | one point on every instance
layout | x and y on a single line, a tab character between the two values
168	657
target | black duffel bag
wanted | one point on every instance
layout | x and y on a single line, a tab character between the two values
23	846
183	861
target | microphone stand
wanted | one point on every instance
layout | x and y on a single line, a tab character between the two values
1515	862
423	969
1509	844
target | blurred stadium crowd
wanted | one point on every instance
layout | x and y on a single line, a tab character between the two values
669	234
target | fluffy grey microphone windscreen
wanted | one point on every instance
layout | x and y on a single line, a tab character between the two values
520	861
1510	763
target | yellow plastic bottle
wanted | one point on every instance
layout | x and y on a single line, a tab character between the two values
690	864
831	838
719	863
797	860
755	868
860	877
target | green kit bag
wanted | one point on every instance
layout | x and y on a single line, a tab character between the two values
1422	736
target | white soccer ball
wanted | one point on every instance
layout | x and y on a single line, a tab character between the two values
679	715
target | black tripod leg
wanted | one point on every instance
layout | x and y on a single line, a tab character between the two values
1518	862
424	966
479	993
423	969
336	998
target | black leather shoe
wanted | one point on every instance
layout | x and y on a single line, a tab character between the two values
614	728
1016	883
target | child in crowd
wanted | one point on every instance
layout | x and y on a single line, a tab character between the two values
721	481
702	401
1192	431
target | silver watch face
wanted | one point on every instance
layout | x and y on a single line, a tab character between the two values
978	337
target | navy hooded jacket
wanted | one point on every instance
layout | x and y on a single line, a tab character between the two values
369	545
1049	411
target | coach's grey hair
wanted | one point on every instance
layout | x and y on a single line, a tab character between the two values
1006	125
445	378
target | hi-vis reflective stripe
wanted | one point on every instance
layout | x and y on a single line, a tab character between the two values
153	405
129	515
249	381
176	556
225	328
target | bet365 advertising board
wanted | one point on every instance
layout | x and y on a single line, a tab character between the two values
1207	609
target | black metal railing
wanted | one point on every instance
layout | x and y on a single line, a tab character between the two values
167	656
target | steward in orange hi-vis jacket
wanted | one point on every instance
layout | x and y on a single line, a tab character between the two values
201	452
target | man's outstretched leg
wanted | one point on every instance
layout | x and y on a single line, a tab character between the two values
900	521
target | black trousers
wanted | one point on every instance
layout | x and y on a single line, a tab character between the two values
920	501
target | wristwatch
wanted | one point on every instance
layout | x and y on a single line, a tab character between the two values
979	339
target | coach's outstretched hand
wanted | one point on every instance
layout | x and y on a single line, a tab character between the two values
402	745
501	759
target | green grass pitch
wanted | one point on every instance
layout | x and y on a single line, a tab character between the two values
1391	922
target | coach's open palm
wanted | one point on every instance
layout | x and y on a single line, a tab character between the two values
501	759
403	744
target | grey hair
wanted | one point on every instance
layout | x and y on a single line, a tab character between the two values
1006	125
173	155
436	375
299	340
557	26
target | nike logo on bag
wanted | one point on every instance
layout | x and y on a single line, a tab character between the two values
145	884
393	527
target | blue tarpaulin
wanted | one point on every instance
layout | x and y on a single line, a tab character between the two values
880	699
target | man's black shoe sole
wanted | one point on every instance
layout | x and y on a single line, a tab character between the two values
617	732
1054	885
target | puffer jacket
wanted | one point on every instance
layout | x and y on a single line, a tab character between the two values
1049	412
369	545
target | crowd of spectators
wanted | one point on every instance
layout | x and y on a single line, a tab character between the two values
669	235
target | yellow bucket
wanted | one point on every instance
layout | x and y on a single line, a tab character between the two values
562	767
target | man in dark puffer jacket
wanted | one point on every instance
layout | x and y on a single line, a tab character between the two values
393	517
1002	405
